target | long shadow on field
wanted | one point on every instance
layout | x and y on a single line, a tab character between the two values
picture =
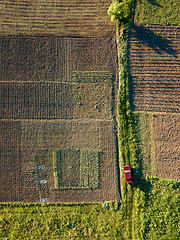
158	43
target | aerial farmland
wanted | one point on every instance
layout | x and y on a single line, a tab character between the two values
89	119
58	102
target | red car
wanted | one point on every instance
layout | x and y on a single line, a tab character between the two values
127	174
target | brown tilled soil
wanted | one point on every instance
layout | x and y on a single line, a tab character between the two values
53	58
155	92
167	143
10	141
39	138
48	100
154	67
53	111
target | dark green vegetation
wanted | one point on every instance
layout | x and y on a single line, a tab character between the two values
157	12
75	168
122	11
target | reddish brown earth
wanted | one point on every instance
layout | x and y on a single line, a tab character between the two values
155	90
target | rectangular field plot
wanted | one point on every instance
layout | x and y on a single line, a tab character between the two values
75	169
93	77
10	183
93	100
154	67
159	144
60	18
35	100
167	143
89	168
54	59
43	100
26	59
59	160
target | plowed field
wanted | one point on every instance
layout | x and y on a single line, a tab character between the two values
54	58
154	66
28	173
155	95
167	142
45	100
61	93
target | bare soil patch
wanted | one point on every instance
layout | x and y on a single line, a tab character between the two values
159	144
44	100
167	142
154	67
33	161
10	138
53	58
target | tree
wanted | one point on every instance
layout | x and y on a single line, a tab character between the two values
120	10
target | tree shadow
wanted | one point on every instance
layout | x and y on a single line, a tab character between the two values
158	43
153	2
143	184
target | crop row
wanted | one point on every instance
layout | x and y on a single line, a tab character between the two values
156	102
161	68
35	100
75	169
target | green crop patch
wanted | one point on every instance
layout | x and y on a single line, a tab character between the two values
93	77
89	168
75	168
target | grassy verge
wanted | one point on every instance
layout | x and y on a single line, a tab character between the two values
128	150
144	202
155	215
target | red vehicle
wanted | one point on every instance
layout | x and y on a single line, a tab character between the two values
127	174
